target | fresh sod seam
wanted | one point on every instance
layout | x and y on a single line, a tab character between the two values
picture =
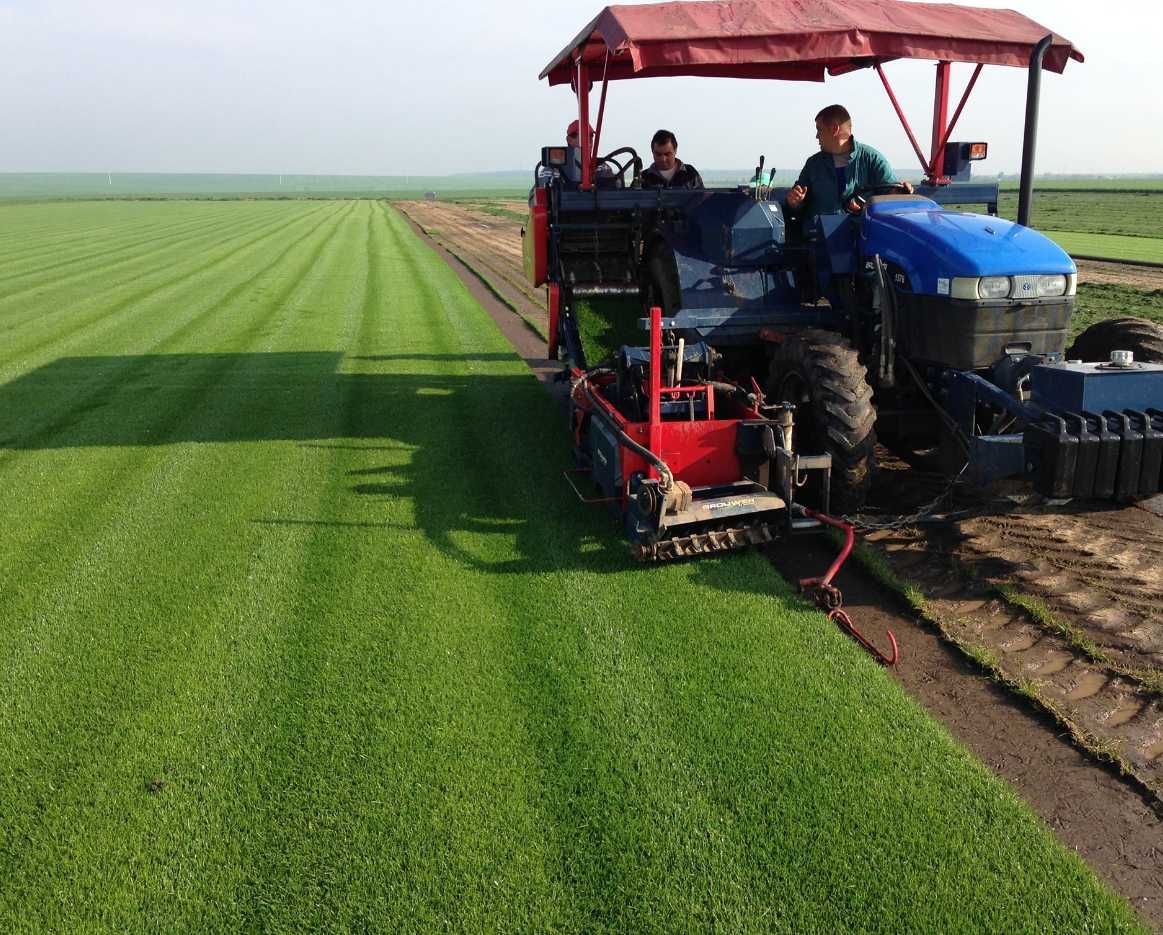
988	660
1041	614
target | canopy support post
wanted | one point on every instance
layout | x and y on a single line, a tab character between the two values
901	114
960	107
1033	92
601	108
936	168
585	136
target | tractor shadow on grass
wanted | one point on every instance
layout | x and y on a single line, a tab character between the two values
479	451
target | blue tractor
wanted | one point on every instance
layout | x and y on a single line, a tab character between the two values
786	347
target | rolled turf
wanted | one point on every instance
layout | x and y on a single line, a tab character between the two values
301	629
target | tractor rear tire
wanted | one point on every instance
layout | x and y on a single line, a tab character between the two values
821	373
1140	335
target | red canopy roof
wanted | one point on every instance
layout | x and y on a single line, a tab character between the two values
799	40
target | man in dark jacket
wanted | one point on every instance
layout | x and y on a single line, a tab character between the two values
668	170
842	168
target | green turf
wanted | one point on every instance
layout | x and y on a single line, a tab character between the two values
1082	183
1113	246
1125	213
604	325
300	629
1096	302
25	186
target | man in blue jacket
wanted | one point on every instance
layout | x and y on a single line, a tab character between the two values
839	170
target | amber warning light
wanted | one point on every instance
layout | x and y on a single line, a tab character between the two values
978	151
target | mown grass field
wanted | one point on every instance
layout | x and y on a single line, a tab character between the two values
301	630
1096	302
1111	246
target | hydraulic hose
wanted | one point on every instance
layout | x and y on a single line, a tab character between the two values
666	476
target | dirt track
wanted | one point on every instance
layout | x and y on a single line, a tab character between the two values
1091	653
1101	272
1062	600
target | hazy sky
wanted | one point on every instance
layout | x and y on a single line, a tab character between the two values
362	87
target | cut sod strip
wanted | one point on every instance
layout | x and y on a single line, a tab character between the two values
301	629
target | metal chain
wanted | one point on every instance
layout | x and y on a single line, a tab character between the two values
922	514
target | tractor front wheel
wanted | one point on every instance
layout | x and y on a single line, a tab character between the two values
821	373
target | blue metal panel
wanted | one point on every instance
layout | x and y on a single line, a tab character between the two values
992	457
730	229
728	249
836	233
606	458
707	284
1096	387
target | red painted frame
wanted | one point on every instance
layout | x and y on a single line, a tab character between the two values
700	453
934	165
553	314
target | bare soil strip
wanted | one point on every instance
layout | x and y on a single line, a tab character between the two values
1085	654
1102	272
1063	601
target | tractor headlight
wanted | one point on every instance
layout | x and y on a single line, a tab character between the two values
993	287
1018	288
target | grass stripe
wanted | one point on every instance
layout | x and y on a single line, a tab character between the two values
61	242
85	257
78	282
210	644
72	323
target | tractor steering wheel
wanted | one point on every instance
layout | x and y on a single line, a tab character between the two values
620	169
861	195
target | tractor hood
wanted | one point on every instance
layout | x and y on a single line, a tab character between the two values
930	243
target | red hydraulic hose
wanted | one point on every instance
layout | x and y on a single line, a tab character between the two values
829	598
849	541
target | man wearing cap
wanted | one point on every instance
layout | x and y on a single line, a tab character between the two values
571	135
842	168
668	171
603	172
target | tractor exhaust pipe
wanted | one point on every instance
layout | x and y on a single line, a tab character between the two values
1033	91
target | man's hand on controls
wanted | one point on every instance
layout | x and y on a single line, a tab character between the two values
796	196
